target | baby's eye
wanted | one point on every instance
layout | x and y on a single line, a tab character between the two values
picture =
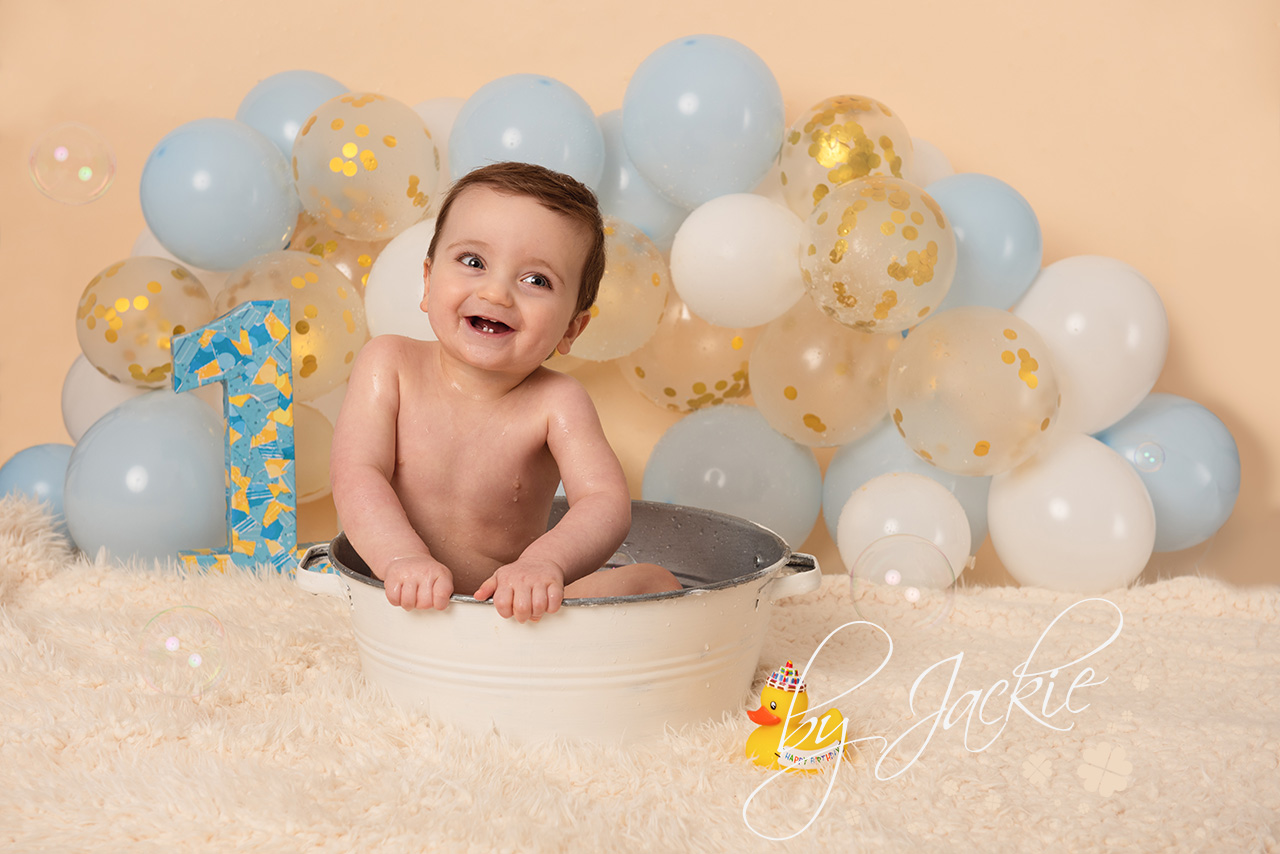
537	280
471	261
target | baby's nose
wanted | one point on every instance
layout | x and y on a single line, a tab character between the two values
495	291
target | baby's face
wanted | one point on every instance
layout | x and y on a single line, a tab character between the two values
502	289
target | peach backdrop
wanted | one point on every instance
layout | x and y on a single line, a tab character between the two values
1142	130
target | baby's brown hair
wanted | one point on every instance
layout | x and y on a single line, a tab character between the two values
556	192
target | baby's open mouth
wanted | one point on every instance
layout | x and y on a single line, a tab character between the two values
488	326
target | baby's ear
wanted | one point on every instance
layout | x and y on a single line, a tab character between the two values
426	282
571	334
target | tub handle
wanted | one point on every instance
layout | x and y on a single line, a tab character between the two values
314	581
801	574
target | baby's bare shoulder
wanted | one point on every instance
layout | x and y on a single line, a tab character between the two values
392	351
557	391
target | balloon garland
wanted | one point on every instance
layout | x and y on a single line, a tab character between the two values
864	298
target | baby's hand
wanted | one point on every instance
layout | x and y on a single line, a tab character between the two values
526	589
418	582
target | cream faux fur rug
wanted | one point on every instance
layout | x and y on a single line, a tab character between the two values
1177	748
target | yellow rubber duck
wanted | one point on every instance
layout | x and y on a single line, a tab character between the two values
806	747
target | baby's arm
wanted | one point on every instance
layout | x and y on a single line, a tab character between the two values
599	514
361	465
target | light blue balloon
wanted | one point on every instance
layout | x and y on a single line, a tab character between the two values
999	246
217	193
882	451
703	117
148	479
1189	461
280	105
527	118
727	458
625	193
38	472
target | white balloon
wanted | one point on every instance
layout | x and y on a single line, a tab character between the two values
147	245
1107	333
87	395
736	260
329	404
1075	517
928	163
904	503
439	114
393	294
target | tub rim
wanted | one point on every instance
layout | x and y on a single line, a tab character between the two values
800	562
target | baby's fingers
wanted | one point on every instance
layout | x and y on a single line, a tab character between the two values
441	591
555	596
425	596
485	590
502	600
406	593
537	603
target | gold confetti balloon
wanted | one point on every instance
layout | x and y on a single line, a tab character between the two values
973	392
325	309
878	254
129	313
838	140
353	258
689	364
312	440
366	166
632	295
817	381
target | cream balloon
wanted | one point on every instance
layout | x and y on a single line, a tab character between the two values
393	295
928	163
129	313
972	391
147	244
326	312
903	503
690	364
88	394
818	381
836	141
1107	334
735	260
366	165
632	295
439	114
879	254
313	438
353	258
770	185
330	403
1075	518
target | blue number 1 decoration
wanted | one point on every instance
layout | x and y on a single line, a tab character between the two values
249	351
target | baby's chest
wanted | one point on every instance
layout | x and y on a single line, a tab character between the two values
478	456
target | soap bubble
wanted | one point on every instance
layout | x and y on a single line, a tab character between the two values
183	652
902	581
72	164
1148	457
